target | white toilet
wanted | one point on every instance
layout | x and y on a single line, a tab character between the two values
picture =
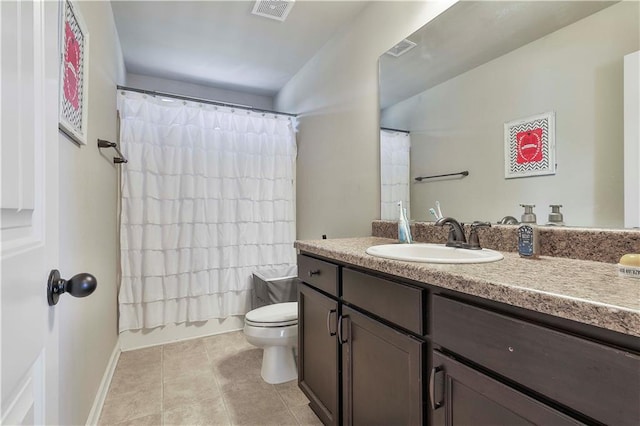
275	329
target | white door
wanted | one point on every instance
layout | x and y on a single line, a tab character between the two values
29	210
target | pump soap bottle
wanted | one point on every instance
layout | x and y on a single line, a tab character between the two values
528	241
555	217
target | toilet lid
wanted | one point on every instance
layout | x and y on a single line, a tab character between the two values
276	313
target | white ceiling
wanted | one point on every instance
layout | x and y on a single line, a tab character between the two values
221	44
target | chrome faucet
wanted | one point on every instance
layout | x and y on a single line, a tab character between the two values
456	233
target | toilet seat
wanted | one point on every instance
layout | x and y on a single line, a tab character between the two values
277	315
271	324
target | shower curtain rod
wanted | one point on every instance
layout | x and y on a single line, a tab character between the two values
203	101
395	130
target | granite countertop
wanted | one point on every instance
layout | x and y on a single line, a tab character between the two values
579	290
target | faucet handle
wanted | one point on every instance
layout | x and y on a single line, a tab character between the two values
474	241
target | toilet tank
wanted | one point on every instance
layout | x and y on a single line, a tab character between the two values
274	286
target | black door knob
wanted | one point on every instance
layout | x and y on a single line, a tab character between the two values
80	285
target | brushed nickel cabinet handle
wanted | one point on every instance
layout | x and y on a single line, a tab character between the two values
432	388
340	334
332	311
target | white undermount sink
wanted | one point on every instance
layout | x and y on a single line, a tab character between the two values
433	253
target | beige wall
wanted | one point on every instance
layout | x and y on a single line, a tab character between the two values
88	184
458	125
336	95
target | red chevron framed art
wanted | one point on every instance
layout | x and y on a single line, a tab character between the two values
74	74
530	146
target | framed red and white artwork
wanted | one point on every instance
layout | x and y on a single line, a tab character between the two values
74	74
529	146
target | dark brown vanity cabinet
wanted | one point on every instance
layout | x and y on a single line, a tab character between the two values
318	348
389	352
382	364
587	380
357	364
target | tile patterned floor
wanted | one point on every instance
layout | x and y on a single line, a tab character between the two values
209	381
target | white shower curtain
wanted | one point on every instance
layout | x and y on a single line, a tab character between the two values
395	148
207	198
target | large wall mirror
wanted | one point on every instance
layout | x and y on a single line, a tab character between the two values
481	64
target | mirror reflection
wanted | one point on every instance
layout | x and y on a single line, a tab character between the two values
480	65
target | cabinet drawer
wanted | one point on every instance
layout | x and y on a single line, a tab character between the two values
319	274
598	381
394	302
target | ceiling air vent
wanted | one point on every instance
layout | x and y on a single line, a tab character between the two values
401	48
274	9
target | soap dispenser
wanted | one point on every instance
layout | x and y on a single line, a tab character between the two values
555	217
528	244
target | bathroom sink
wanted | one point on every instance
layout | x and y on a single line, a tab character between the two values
433	253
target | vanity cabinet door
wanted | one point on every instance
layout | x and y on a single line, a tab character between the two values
382	373
318	353
460	395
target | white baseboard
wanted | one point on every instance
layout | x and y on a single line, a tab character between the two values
138	339
101	395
